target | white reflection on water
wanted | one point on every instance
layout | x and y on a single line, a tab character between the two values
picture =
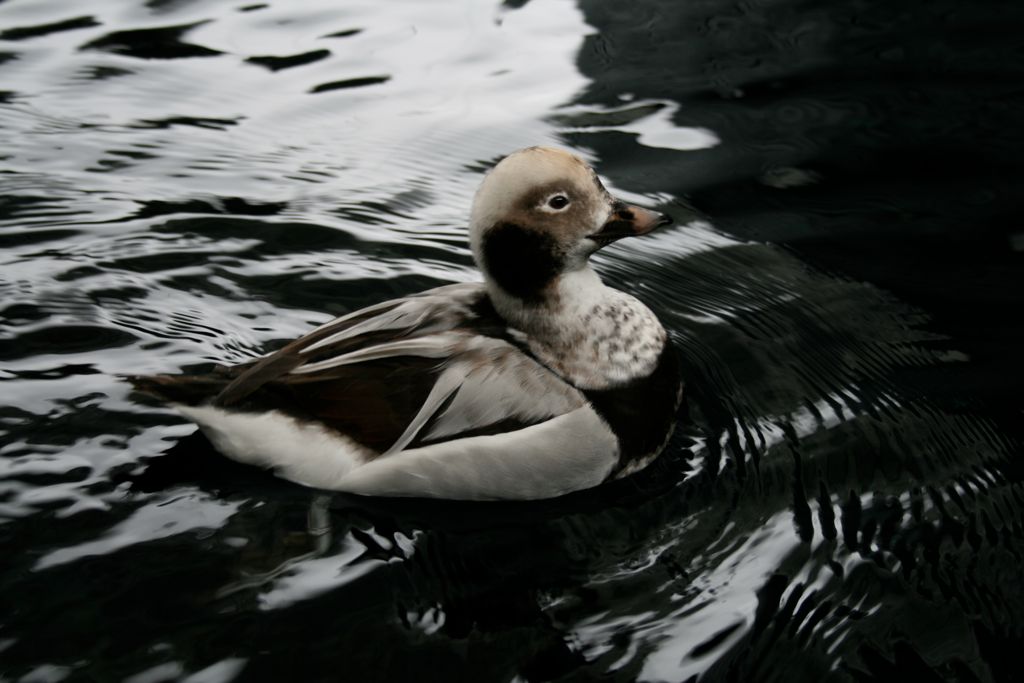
310	577
655	129
723	595
189	512
220	672
467	82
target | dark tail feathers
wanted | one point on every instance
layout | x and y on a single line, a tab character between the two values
186	389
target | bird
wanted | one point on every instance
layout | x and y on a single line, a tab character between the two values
534	383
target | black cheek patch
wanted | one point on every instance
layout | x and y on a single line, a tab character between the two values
522	262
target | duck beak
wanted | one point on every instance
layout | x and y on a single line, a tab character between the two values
628	221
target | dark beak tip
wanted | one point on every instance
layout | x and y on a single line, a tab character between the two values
664	219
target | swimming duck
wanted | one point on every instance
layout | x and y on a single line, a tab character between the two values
537	382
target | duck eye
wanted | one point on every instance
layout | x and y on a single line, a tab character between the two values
558	202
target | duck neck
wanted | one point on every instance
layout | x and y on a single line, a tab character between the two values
558	307
594	336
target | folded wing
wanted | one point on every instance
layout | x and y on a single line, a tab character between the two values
403	374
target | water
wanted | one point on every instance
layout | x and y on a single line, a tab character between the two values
193	181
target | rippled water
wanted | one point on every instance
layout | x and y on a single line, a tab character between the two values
194	181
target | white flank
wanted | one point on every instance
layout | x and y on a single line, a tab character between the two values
567	453
302	452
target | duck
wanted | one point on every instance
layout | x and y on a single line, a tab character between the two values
534	383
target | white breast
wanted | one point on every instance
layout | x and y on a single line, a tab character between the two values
599	337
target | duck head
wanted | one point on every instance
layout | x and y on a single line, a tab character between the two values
539	214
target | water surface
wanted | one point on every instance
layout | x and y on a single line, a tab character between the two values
187	182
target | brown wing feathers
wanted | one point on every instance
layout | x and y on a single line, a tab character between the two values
370	401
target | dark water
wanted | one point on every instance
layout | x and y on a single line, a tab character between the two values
194	181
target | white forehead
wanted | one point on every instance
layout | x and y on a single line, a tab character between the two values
522	172
538	166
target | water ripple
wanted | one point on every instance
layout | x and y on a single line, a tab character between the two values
189	183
